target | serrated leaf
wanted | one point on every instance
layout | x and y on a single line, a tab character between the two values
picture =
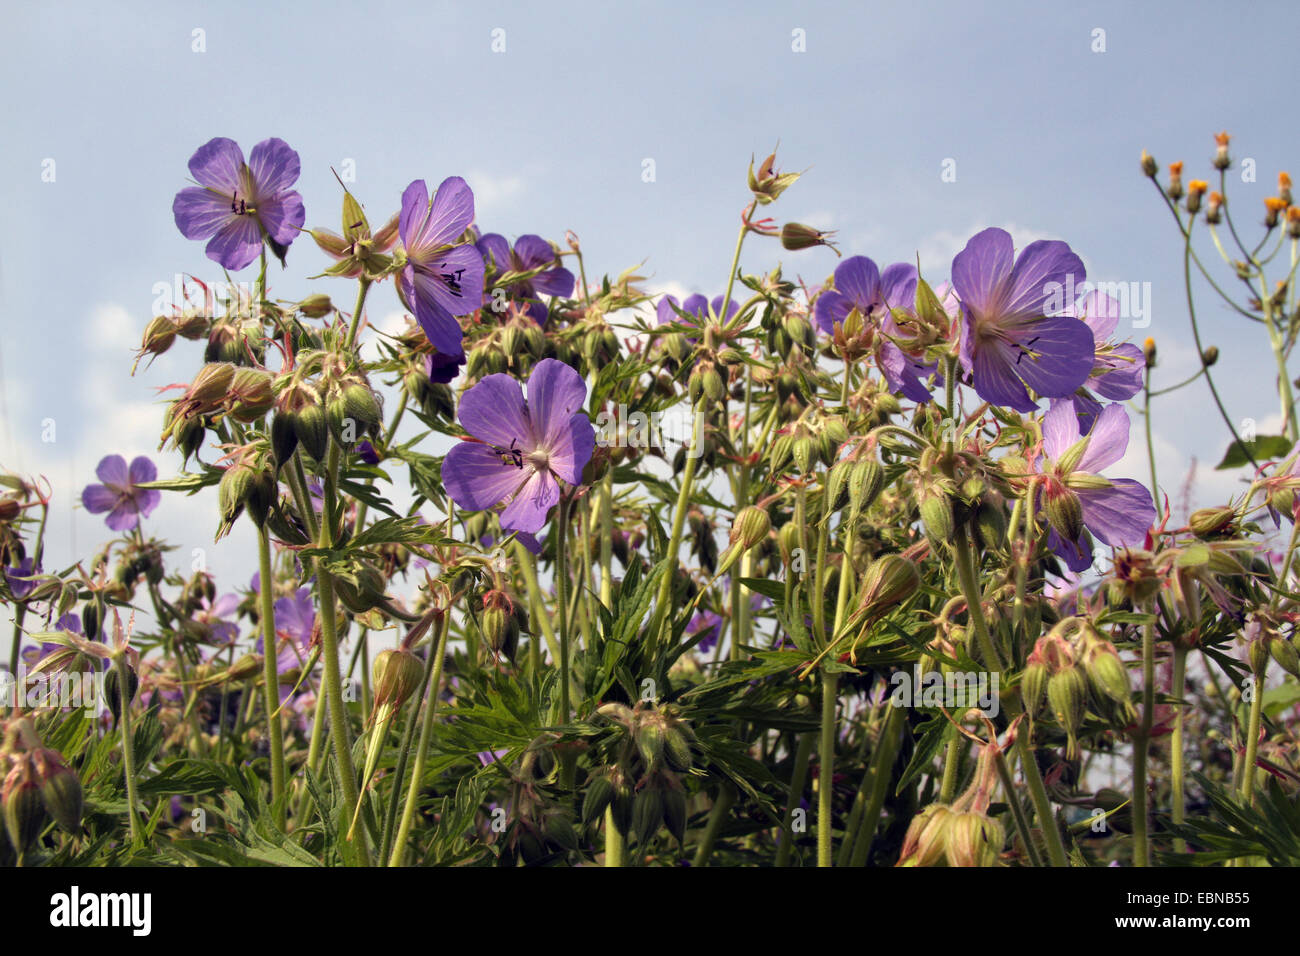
1263	448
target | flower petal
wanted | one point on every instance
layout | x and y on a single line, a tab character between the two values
1120	515
493	411
275	167
573	449
143	470
237	243
830	310
219	164
555	393
476	477
978	271
1046	276
494	247
1107	441
901	373
858	278
112	471
282	216
99	498
124	517
898	286
415	213
200	212
1125	366
1101	313
555	282
531	504
995	381
1077	555
1060	428
1060	358
533	251
451	214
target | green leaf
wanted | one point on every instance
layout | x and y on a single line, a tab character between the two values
186	481
1263	448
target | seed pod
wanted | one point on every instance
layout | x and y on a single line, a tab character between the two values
60	789
559	831
1259	654
1108	677
780	453
498	624
837	485
212	384
252	395
974	840
24	810
750	527
1284	652
261	498
804	450
989	524
865	483
647	814
1033	687
90	621
233	491
316	306
622	805
284	438
1212	522
937	516
925	843
397	673
677	750
891	579
1064	511
650	741
1067	695
312	430
112	690
366	593
674	801
599	795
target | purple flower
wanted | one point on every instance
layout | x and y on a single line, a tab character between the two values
1007	340
1117	370
441	369
860	285
119	495
696	305
519	448
711	624
530	252
441	280
33	655
367	453
212	615
236	203
295	617
21	577
486	757
1117	511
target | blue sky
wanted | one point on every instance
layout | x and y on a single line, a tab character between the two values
554	132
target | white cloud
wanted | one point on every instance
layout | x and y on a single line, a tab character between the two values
490	192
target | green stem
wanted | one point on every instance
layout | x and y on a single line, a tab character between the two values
422	749
128	748
271	673
1042	805
1141	746
798	776
615	840
1252	740
826	767
1176	744
721	807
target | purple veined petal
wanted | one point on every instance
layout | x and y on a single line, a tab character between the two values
200	212
1107	441
858	278
696	305
142	470
555	393
146	500
898	286
219	164
1047	272
99	498
1100	312
443	369
533	251
830	310
123	517
1086	408
237	243
224	606
715	307
529	541
449	216
573	449
439	325
112	471
978	271
274	166
493	411
477	479
1060	428
69	622
282	216
494	246
899	372
415	212
1120	515
1060	358
665	312
1125	370
528	509
557	281
995	381
1077	555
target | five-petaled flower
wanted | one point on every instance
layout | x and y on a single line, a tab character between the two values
860	285
1077	500
237	203
520	447
1007	340
443	277
1117	371
120	494
530	252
